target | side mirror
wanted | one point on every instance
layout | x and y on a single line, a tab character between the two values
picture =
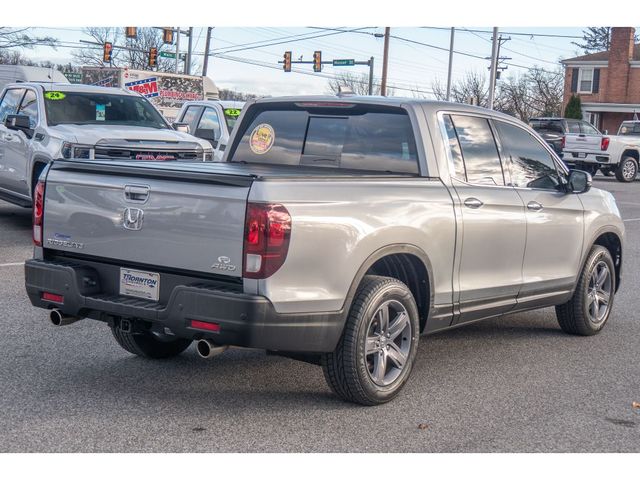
208	134
181	127
579	181
19	122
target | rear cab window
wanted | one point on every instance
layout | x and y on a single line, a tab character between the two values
545	125
328	134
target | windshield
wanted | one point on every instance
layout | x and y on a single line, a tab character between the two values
231	116
630	128
82	108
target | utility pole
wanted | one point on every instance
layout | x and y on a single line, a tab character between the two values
371	76
207	45
453	32
187	68
177	48
385	62
494	67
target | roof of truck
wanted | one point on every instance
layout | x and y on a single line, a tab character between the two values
71	87
431	105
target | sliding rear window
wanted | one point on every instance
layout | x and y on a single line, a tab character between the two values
342	135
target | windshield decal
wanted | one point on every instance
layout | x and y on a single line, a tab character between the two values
101	112
232	112
54	95
262	138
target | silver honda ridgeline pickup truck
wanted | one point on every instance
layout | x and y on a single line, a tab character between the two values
337	230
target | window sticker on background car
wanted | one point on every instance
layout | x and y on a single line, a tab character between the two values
54	95
262	138
101	112
232	112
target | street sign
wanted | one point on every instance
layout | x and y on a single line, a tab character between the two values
167	55
344	62
73	77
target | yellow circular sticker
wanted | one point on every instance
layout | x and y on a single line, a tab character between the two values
54	95
262	138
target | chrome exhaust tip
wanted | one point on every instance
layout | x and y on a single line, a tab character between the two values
208	349
60	319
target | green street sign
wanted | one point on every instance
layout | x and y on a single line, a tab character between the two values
344	62
73	77
167	55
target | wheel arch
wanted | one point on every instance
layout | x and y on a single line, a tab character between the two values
630	152
613	243
405	262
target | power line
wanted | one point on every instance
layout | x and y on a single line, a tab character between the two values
524	34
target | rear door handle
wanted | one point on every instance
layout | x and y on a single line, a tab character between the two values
472	202
136	193
535	206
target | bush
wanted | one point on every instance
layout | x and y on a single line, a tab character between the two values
573	108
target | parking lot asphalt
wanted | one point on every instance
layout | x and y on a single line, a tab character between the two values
515	384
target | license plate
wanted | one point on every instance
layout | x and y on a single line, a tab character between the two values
580	155
136	283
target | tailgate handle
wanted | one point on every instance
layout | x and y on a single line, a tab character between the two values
136	193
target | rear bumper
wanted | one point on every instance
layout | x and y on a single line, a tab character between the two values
593	158
244	320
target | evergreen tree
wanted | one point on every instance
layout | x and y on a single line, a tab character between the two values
573	108
595	39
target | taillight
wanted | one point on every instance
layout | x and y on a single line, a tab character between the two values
563	142
38	212
604	143
266	239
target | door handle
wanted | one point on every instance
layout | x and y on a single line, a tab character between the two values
535	206
472	202
136	193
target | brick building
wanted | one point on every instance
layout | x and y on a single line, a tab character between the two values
608	83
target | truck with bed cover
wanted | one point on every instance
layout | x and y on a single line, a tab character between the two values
336	231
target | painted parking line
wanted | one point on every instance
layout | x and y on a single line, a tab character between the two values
631	220
14	264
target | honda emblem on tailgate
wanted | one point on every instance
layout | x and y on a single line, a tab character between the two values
133	218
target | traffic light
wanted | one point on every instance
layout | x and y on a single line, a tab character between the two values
317	61
153	57
130	32
287	62
106	52
167	35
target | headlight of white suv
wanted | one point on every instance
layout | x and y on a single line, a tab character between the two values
72	150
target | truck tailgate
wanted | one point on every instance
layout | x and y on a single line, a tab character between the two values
175	216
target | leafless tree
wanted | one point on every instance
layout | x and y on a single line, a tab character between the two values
135	56
472	88
20	38
358	83
546	89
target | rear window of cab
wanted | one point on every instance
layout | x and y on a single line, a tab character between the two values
339	135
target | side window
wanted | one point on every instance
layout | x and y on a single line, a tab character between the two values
573	127
479	150
10	102
454	148
530	163
29	107
190	115
210	121
588	129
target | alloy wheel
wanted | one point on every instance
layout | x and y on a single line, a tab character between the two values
599	292
388	342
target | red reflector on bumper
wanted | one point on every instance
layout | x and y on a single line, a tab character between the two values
212	327
52	297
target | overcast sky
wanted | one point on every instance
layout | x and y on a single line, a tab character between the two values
412	66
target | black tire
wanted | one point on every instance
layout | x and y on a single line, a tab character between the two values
149	345
347	369
627	170
576	317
